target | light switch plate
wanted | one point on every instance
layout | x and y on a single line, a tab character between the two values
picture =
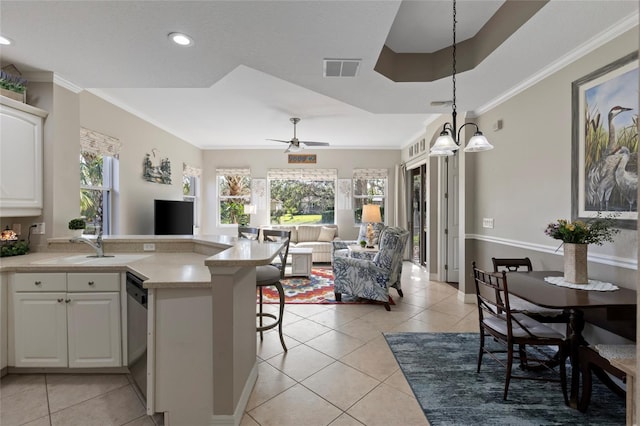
149	247
487	222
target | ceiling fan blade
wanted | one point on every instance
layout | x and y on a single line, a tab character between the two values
311	143
278	140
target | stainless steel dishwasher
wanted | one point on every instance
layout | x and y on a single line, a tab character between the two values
137	331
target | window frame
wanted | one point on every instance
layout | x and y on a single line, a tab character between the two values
222	173
106	187
379	199
306	175
193	196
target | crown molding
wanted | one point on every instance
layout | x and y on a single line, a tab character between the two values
63	82
50	77
604	37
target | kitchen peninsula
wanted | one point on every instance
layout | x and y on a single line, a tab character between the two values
201	344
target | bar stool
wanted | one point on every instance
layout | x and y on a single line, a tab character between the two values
270	275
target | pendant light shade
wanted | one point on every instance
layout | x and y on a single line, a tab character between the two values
444	143
478	143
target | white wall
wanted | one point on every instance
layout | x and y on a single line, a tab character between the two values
259	161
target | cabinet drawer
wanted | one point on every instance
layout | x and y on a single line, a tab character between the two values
93	282
40	282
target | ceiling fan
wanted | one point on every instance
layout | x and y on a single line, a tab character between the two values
294	143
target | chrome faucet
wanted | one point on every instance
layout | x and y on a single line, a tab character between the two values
97	246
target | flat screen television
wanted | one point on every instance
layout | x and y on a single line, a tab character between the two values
173	217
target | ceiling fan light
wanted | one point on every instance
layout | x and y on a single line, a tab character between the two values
444	143
294	148
478	143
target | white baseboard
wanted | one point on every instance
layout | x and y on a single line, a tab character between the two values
236	418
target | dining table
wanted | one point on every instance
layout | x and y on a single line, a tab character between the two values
532	287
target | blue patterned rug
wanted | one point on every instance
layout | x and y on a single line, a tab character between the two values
441	370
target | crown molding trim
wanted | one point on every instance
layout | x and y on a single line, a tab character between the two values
63	82
616	30
620	262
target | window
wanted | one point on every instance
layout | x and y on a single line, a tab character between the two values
302	196
98	160
234	191
369	187
191	189
95	190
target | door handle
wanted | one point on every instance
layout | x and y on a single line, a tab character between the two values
60	300
91	283
68	300
37	282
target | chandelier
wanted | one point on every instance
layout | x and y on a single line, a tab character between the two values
445	144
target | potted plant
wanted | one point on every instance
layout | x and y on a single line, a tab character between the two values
363	243
575	237
12	86
77	225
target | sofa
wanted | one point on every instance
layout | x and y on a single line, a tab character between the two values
319	238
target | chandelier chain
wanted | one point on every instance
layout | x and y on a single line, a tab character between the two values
453	76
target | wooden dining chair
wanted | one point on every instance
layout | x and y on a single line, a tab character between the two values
515	329
536	312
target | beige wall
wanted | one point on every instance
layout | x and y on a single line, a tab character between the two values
259	161
134	196
525	182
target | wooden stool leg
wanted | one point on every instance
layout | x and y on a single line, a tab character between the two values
261	336
281	294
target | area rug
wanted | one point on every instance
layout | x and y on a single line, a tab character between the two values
317	290
441	370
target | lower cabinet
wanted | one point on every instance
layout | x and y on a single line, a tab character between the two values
67	328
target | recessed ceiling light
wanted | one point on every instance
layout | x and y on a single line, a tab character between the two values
4	41
181	39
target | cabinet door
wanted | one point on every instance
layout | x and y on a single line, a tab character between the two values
40	329
94	329
20	163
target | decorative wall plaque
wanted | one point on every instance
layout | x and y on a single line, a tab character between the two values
160	172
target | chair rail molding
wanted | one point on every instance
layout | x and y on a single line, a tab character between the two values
620	262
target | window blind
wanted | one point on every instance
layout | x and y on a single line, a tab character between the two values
98	143
233	172
191	171
303	174
370	173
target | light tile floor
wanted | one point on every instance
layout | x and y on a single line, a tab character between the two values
338	371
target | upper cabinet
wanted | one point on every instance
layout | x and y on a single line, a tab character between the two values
21	132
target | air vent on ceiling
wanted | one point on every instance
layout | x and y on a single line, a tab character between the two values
341	67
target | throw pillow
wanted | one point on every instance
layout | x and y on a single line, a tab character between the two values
326	234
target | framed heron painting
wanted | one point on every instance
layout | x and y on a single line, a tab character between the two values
604	151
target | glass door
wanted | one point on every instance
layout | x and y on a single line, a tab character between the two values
418	215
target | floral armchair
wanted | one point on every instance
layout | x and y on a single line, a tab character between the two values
339	247
371	279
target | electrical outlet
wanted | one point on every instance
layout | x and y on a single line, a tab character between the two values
487	222
39	228
149	247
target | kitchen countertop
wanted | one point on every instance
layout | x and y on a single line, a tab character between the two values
160	270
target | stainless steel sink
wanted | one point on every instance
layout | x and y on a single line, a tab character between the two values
116	259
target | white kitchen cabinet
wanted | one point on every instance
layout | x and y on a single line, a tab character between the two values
76	326
4	320
21	181
93	326
40	327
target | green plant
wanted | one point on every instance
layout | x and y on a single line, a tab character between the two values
592	231
12	83
363	243
14	249
77	223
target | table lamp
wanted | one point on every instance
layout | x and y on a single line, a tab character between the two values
371	214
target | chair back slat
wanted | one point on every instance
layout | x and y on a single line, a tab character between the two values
278	236
511	264
246	232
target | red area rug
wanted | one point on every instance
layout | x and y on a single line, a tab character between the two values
317	290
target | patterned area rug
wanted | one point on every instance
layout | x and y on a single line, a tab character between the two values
441	370
317	290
